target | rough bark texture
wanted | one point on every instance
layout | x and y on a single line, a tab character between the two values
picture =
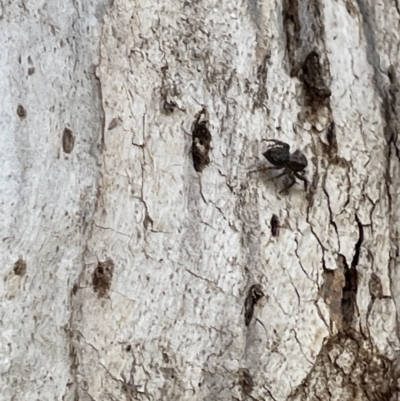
141	258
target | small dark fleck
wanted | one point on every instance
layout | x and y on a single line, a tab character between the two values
31	70
102	277
75	288
113	123
165	357
201	144
68	140
254	294
21	112
20	267
274	225
128	348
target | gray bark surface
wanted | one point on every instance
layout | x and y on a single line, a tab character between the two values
142	263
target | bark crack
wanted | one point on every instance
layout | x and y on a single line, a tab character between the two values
322	316
205	279
301	265
269	393
112	229
301	347
291	282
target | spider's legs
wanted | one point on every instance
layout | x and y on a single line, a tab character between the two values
266	168
300	177
290	184
282	174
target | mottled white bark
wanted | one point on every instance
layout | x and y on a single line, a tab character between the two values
129	275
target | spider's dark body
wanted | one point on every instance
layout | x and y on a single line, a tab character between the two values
278	155
294	164
297	161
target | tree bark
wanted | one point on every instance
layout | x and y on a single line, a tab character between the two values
146	253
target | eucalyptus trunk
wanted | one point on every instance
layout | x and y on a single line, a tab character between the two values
149	250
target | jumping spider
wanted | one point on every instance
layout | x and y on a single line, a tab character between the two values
294	164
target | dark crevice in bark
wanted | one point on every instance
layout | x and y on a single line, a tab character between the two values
305	36
356	256
349	296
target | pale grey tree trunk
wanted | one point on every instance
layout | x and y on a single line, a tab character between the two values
141	264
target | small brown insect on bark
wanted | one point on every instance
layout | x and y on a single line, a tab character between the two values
201	142
245	381
20	267
274	225
253	296
313	77
21	112
68	140
102	277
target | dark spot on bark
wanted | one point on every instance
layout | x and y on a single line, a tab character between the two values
31	70
128	348
375	286
102	277
75	288
20	267
201	140
165	357
274	225
147	221
245	381
21	112
314	78
68	140
113	123
253	296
